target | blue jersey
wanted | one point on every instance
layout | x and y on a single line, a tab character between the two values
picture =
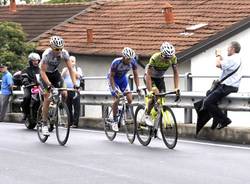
120	69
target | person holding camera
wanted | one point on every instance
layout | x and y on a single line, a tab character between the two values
73	101
230	77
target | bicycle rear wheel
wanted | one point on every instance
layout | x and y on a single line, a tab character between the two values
108	119
168	127
130	125
143	131
62	123
42	138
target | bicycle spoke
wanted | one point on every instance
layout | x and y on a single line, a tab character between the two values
42	138
108	119
168	127
62	124
143	131
130	125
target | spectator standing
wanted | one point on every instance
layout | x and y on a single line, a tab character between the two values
6	90
73	101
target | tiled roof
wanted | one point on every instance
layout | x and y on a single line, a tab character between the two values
140	24
37	19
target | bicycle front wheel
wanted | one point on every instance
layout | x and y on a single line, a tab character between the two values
42	138
108	119
168	127
62	123
143	131
130	124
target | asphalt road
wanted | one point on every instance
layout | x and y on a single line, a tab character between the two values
89	158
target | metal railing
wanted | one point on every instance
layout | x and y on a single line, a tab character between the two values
233	102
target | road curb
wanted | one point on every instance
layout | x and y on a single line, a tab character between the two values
240	135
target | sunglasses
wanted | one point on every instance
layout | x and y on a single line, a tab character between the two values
166	57
57	49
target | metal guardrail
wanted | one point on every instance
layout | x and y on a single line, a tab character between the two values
233	102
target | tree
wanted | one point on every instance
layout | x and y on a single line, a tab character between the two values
13	48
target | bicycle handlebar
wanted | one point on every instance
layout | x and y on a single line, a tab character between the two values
31	85
166	93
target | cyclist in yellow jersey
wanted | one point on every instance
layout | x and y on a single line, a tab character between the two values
155	70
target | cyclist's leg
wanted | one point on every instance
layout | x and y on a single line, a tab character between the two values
46	102
58	82
155	90
125	89
55	79
45	107
115	100
160	84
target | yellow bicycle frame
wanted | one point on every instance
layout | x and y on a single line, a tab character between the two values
153	113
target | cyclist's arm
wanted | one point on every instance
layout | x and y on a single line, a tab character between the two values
176	76
64	72
148	79
112	80
71	72
78	73
136	78
43	74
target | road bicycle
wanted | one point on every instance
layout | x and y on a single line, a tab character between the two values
162	118
58	115
125	123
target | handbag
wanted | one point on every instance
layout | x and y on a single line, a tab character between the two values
216	83
82	81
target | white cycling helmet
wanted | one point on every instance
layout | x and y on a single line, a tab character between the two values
34	56
167	49
128	53
56	42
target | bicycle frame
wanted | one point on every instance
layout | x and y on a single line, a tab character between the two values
163	118
128	124
58	115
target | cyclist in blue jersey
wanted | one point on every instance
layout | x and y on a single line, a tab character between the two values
118	80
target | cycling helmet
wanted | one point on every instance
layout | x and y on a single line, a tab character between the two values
167	49
56	42
34	56
128	53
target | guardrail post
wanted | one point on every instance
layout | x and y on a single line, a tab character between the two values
83	106
188	87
